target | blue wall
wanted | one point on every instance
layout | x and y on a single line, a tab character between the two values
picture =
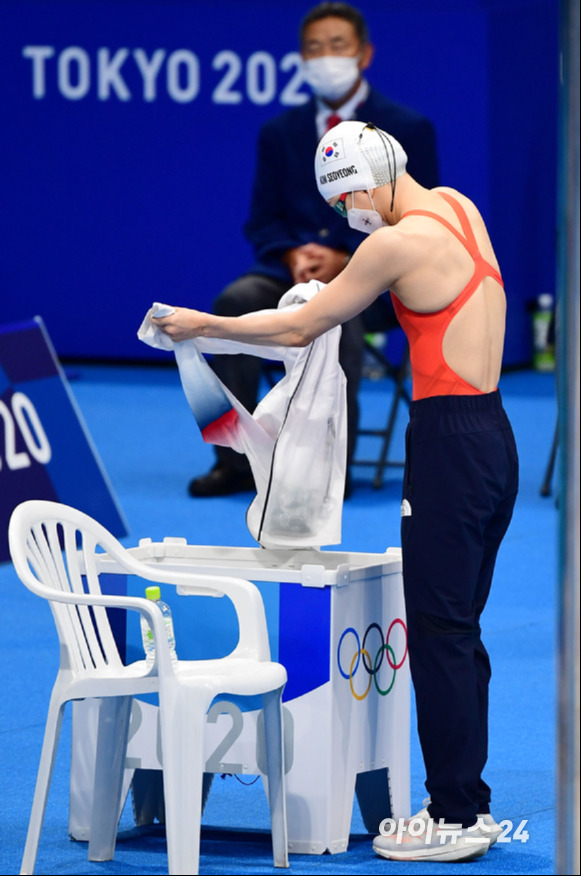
119	188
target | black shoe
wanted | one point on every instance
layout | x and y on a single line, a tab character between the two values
221	481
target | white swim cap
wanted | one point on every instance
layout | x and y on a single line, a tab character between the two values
354	156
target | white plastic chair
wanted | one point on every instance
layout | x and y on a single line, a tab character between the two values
53	548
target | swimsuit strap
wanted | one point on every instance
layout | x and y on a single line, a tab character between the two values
467	239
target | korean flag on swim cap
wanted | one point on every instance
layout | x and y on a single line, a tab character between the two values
354	156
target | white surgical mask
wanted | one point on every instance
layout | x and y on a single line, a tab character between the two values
331	77
365	220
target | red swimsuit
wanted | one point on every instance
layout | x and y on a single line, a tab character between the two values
425	332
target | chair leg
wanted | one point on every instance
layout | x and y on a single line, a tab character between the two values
274	743
182	719
47	758
398	394
548	477
113	732
399	375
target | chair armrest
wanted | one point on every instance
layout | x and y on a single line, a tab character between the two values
247	601
245	596
140	604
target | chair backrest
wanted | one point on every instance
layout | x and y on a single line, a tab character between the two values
47	541
58	553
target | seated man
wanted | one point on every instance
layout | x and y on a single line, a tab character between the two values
295	236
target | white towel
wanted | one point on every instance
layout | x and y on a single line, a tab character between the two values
295	440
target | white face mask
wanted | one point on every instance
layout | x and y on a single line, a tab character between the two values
365	220
331	76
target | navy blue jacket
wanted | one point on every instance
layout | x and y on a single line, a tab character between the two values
287	209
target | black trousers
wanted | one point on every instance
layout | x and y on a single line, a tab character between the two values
241	373
460	487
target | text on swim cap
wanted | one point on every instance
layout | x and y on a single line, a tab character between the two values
337	174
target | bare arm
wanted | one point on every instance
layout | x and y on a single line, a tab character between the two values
262	327
374	266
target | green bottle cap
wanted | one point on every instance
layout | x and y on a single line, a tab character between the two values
153	592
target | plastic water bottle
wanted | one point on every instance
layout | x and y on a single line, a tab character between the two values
154	594
543	349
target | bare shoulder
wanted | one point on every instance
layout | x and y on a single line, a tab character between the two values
448	190
390	241
476	221
384	256
469	206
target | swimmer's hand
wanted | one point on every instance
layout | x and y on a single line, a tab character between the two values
183	324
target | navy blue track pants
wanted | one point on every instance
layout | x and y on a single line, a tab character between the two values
460	486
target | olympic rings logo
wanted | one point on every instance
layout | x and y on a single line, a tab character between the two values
362	656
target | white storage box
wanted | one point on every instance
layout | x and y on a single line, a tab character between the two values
337	623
